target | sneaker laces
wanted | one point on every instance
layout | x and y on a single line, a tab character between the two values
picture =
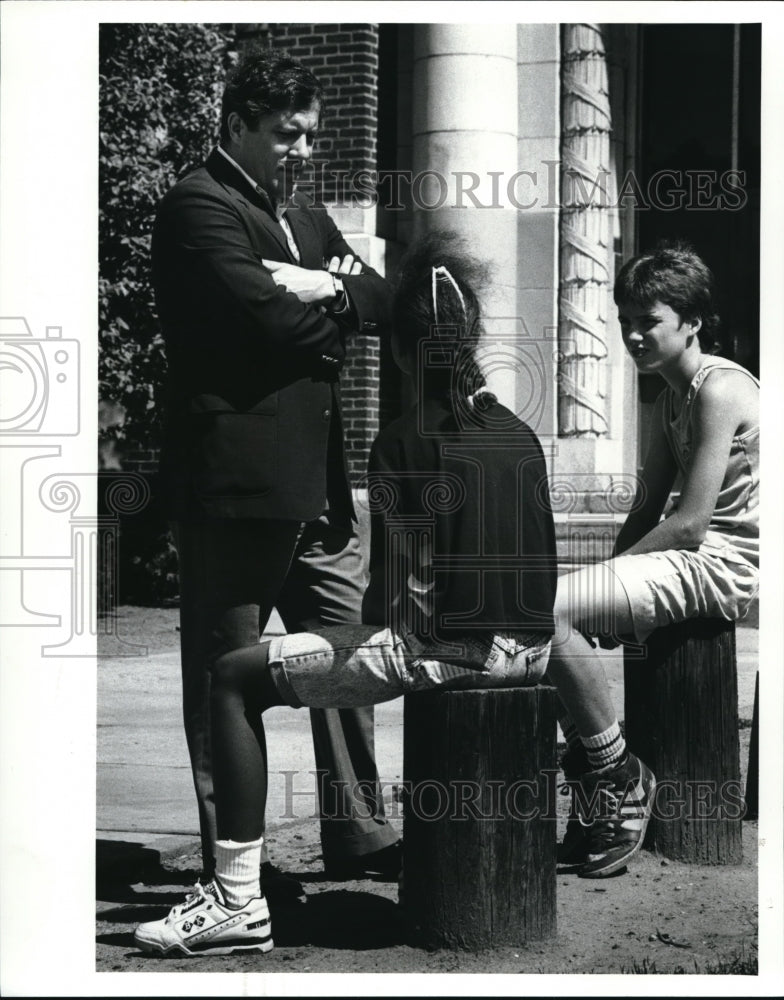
599	828
198	894
604	827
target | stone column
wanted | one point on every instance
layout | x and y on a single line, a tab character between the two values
464	151
536	192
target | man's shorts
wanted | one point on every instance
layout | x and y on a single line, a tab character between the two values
348	666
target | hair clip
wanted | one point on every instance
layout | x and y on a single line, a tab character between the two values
441	270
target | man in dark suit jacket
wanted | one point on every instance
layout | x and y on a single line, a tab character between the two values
256	291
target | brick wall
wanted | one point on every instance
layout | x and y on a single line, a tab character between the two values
360	386
344	57
143	460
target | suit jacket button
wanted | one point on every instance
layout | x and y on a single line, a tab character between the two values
326	414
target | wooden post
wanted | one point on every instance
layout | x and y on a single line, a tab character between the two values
681	718
479	827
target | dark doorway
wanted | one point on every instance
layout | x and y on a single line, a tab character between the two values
699	161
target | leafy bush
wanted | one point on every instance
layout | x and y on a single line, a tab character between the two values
160	88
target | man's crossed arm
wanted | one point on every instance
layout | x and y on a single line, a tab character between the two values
312	287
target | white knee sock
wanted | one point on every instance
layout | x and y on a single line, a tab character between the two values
605	749
237	869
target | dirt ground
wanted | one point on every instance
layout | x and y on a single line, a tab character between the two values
659	917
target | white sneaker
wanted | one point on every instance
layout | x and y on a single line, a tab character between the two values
205	925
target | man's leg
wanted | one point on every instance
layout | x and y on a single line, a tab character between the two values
231	572
325	587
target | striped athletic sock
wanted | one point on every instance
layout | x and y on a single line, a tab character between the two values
237	869
605	749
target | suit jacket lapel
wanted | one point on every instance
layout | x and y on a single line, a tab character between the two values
273	227
238	187
306	237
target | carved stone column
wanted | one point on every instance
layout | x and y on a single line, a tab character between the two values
586	233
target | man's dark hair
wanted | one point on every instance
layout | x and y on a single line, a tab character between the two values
458	324
265	81
675	275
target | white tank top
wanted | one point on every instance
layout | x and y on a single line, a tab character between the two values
736	515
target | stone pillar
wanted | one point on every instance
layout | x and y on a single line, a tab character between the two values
536	194
464	150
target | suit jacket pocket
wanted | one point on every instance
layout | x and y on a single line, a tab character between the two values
233	454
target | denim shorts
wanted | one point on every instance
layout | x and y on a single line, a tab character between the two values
347	666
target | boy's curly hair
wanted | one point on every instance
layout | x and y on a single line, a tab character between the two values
673	274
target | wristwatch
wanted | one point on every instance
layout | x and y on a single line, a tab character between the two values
341	300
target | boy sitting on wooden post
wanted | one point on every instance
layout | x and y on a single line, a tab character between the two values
701	560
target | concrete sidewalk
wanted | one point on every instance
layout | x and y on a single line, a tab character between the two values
144	789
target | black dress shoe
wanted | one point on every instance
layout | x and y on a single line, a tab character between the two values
382	865
277	886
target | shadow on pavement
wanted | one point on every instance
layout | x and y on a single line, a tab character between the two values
345	919
136	914
120	941
124	862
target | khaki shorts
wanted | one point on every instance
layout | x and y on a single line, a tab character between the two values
677	584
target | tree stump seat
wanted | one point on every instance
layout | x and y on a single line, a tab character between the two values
479	830
681	718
